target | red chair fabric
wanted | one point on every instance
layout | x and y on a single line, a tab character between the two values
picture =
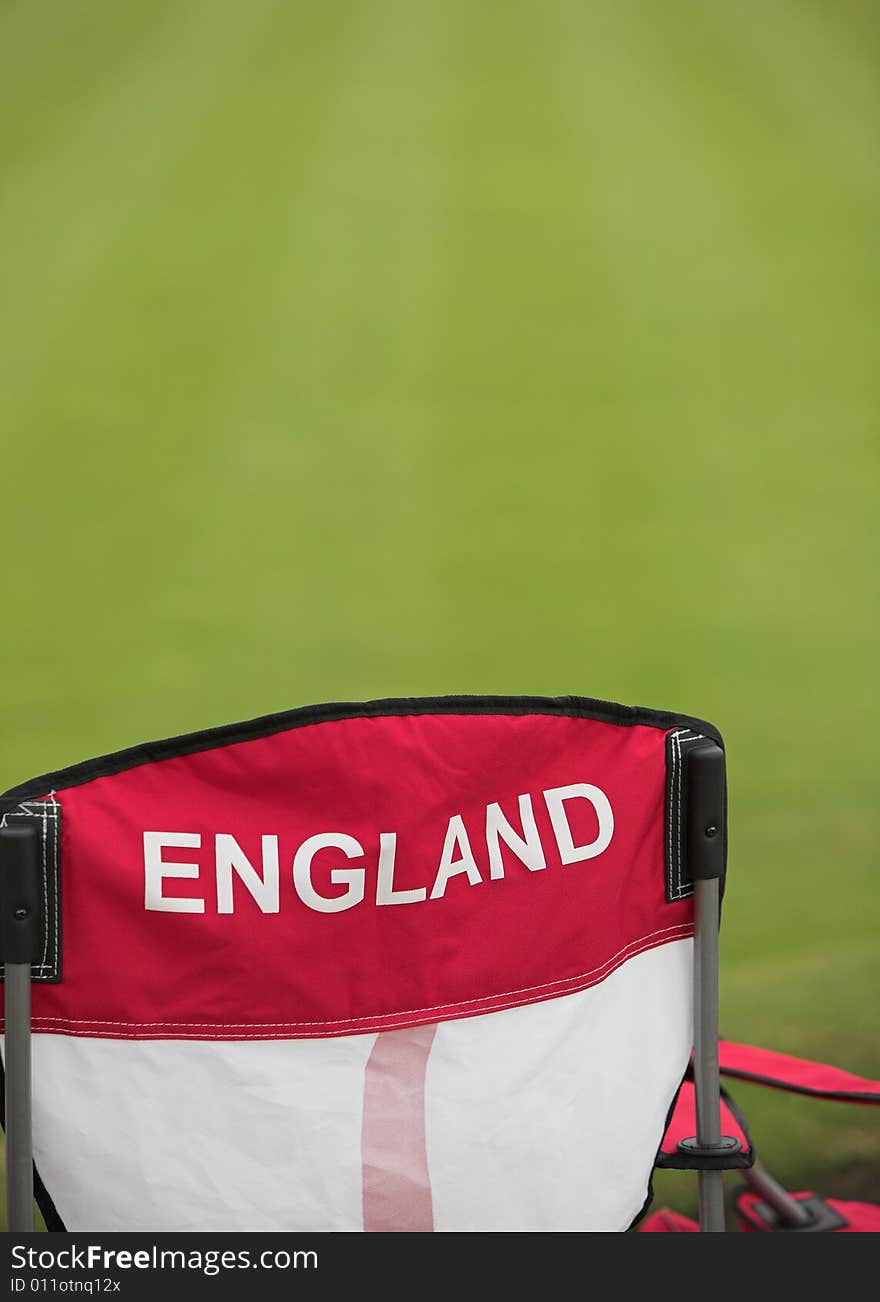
666	1221
683	1125
858	1218
799	1075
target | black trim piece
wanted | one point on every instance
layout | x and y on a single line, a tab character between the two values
46	814
649	1198
833	1096
42	1197
48	1210
679	743
710	1157
582	707
739	1161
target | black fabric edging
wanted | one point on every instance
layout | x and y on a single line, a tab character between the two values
580	707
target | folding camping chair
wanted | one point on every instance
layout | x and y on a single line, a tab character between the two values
761	1203
408	965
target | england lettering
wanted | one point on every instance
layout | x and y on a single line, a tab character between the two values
348	868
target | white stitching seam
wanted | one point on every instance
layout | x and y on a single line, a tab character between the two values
639	948
670	868
45	885
677	884
678	888
660	936
684	887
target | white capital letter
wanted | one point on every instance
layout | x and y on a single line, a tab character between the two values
352	877
456	835
385	892
229	855
155	871
528	849
556	798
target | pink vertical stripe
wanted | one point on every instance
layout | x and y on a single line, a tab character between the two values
397	1188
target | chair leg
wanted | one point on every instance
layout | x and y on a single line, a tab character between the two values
788	1209
19	932
19	1150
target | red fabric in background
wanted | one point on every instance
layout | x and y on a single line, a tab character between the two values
782	1071
683	1122
298	973
861	1218
666	1221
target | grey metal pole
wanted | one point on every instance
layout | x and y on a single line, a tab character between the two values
706	843
788	1209
707	1082
19	933
19	1141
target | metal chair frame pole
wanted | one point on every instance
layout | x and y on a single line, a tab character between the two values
707	1083
19	935
706	812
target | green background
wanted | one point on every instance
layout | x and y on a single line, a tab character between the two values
422	346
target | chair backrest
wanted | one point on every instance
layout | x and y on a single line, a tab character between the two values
404	965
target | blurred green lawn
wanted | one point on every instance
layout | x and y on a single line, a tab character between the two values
366	349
